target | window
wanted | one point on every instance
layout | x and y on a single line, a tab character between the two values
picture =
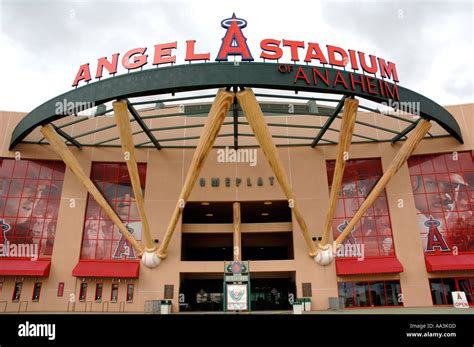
101	238
437	292
114	292
370	294
361	292
36	291
130	289
17	291
346	291
30	195
393	293
83	292
449	285
374	230
443	188
60	288
377	294
442	288
98	292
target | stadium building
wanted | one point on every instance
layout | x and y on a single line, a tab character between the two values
240	185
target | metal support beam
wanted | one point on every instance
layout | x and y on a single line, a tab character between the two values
329	121
67	137
142	125
404	132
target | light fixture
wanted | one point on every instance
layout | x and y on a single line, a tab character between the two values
265	214
205	203
209	215
268	203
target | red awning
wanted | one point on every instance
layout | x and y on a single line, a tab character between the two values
447	262
24	267
379	265
117	269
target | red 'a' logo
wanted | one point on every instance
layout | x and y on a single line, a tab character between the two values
234	41
124	249
3	232
435	239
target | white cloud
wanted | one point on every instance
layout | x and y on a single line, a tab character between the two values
43	43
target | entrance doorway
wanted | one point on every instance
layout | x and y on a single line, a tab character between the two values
272	291
269	291
201	292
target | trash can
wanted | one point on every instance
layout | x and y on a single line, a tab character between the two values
297	307
165	307
306	304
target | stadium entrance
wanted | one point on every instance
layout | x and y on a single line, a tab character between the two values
272	291
205	292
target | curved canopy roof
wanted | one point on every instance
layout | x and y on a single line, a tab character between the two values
195	77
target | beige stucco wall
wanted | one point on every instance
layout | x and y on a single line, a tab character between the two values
166	170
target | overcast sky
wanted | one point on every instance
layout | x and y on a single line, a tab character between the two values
43	43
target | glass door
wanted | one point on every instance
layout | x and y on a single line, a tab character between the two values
463	285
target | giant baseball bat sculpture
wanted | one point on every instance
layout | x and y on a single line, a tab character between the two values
149	258
256	120
345	136
402	156
72	163
217	114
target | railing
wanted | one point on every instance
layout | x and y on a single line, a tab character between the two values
90	306
122	306
105	304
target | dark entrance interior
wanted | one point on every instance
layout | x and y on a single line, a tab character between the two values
269	291
255	246
206	247
272	291
267	246
201	292
221	212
